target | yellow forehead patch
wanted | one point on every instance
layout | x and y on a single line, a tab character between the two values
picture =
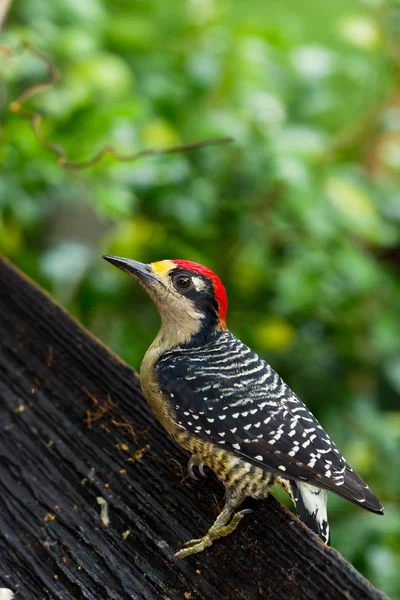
162	267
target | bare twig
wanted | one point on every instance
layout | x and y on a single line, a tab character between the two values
37	87
110	149
36	119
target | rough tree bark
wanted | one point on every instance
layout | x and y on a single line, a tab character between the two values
73	427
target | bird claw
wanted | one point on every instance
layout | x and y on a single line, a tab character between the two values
195	461
214	533
191	543
200	467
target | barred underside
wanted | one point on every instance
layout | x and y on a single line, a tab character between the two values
232	471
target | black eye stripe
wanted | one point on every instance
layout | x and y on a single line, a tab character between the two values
198	289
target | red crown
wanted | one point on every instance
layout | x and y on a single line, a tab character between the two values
219	290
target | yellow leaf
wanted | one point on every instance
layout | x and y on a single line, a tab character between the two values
275	334
352	202
158	133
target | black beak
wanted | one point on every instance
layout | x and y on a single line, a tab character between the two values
137	269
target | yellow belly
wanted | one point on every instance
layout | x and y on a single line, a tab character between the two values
231	470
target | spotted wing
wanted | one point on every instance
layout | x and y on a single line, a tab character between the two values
224	392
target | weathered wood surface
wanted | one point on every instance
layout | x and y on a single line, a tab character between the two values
74	426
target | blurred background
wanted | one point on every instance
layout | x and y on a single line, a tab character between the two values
300	216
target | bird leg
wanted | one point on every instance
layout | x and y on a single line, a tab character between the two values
220	528
195	461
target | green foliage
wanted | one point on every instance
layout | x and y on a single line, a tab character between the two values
300	217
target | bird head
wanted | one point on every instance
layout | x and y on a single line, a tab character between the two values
190	297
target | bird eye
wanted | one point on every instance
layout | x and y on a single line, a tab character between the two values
183	282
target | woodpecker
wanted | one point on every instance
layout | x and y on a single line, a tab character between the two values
225	405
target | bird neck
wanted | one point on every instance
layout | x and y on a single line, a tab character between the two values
208	333
184	335
188	328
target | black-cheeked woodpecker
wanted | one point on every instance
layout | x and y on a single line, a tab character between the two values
225	405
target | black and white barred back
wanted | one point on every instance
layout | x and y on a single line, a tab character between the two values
222	391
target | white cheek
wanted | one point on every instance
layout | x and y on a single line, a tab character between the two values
198	283
6	594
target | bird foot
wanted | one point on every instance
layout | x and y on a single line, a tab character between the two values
195	461
214	533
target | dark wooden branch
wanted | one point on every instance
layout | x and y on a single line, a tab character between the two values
74	427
